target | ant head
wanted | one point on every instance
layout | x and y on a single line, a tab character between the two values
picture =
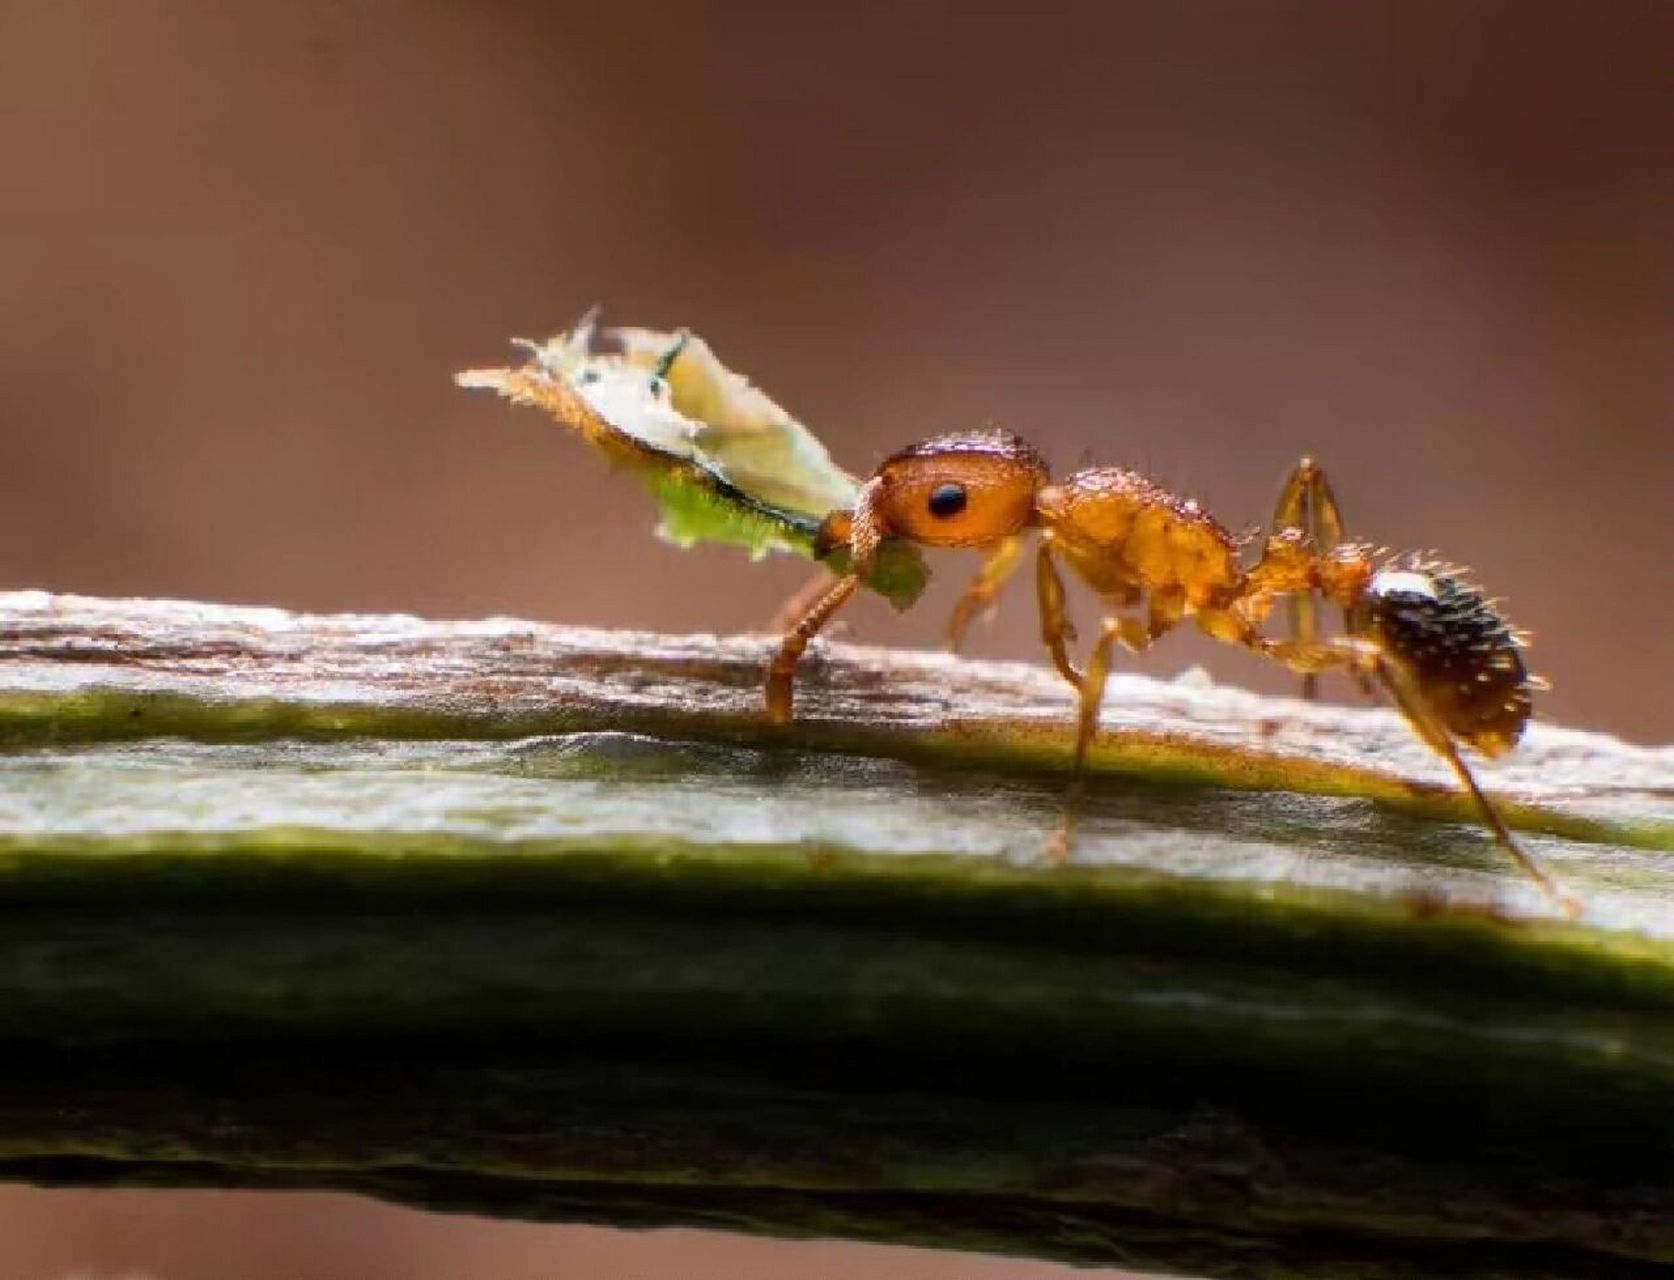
958	490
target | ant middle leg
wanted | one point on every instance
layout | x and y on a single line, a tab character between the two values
1056	631
1165	612
979	597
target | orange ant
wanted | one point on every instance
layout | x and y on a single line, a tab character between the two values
1435	644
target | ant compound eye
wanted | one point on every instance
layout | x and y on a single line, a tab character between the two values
947	500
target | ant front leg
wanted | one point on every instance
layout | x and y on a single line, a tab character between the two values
979	597
1307	505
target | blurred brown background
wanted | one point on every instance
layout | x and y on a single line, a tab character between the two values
243	246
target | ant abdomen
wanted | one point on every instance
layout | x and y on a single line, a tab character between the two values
1465	657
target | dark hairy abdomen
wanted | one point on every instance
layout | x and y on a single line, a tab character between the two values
1463	653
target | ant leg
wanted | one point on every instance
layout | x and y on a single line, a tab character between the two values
863	535
1306	658
781	671
1362	655
802	600
1055	629
1307	504
979	597
1135	638
1409	697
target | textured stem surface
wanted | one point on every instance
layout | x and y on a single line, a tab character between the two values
552	923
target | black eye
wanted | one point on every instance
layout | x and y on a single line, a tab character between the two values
947	500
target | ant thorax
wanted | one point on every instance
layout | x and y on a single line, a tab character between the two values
1120	532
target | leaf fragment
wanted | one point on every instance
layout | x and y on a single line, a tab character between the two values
725	462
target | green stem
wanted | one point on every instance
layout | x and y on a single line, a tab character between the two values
550	923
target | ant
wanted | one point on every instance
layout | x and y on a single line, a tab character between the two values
1434	643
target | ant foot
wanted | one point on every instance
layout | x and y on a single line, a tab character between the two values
1572	906
974	609
1427	903
1058	847
779	699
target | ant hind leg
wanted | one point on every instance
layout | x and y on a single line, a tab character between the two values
1365	656
1307	504
1405	689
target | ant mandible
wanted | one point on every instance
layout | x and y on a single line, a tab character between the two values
1435	644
